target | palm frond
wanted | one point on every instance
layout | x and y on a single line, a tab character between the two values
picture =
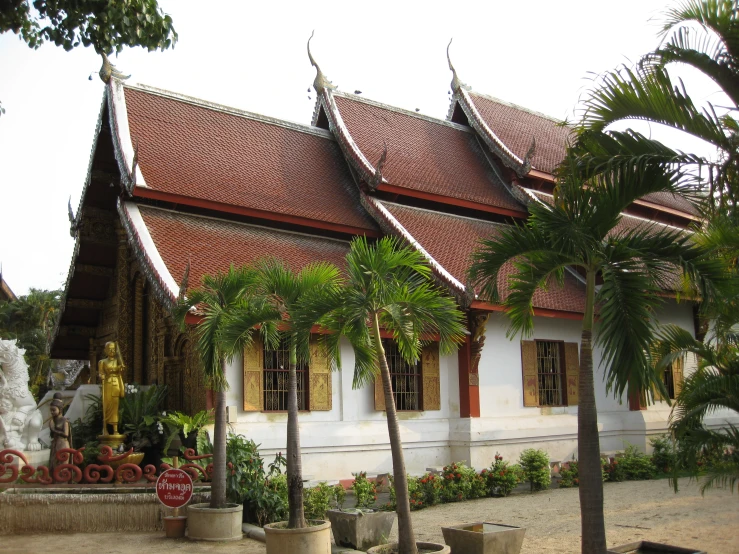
649	96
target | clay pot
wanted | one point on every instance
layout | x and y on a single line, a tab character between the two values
174	526
360	529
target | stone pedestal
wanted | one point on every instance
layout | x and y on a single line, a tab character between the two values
35	458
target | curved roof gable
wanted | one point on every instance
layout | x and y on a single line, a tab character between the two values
425	156
229	159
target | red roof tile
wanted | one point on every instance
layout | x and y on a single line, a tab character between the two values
209	153
425	155
516	127
673	201
212	245
452	239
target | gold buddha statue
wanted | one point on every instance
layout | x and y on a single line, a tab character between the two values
111	370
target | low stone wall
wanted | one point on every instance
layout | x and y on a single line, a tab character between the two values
97	510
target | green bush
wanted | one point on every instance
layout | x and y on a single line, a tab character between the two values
338	493
632	465
364	491
430	489
456	482
317	500
663	455
501	478
569	473
535	467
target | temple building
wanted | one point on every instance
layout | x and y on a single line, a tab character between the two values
6	293
178	188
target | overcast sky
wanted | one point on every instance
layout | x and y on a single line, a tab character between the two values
251	55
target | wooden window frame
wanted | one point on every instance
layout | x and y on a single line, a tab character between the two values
418	376
561	373
305	371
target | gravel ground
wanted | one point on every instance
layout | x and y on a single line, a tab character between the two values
644	510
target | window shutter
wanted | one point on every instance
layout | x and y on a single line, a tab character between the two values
319	375
677	375
530	373
572	373
430	375
253	381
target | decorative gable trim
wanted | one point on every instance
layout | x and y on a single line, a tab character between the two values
166	289
392	226
461	96
340	131
125	153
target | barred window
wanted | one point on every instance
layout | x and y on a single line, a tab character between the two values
276	375
550	372
405	378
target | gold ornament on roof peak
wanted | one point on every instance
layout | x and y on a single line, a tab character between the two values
108	70
456	83
321	82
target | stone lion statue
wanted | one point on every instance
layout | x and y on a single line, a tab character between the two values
20	420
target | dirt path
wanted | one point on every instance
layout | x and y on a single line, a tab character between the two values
634	511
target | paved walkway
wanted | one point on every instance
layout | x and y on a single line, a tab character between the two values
645	510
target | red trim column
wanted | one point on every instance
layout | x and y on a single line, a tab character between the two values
469	383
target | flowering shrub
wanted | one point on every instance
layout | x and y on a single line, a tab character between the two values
535	467
570	473
364	490
501	478
663	455
459	482
429	488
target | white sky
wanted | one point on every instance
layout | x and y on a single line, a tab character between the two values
251	55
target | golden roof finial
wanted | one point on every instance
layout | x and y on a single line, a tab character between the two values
320	82
108	70
456	83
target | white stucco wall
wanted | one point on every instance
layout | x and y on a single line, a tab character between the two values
353	437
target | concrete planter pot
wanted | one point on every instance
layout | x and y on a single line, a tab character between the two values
392	548
174	526
484	538
645	547
314	539
206	524
360	529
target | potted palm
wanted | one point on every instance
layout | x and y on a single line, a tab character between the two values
272	306
207	308
361	527
389	287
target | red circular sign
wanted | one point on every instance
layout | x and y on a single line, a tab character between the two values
174	488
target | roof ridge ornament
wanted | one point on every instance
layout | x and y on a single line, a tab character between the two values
529	155
456	83
108	70
376	178
321	82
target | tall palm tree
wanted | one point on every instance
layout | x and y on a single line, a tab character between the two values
211	304
624	274
272	305
389	287
703	34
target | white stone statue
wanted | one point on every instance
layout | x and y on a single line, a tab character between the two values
20	420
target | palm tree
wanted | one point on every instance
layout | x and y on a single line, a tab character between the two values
713	386
272	305
212	303
702	34
624	273
389	287
715	383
